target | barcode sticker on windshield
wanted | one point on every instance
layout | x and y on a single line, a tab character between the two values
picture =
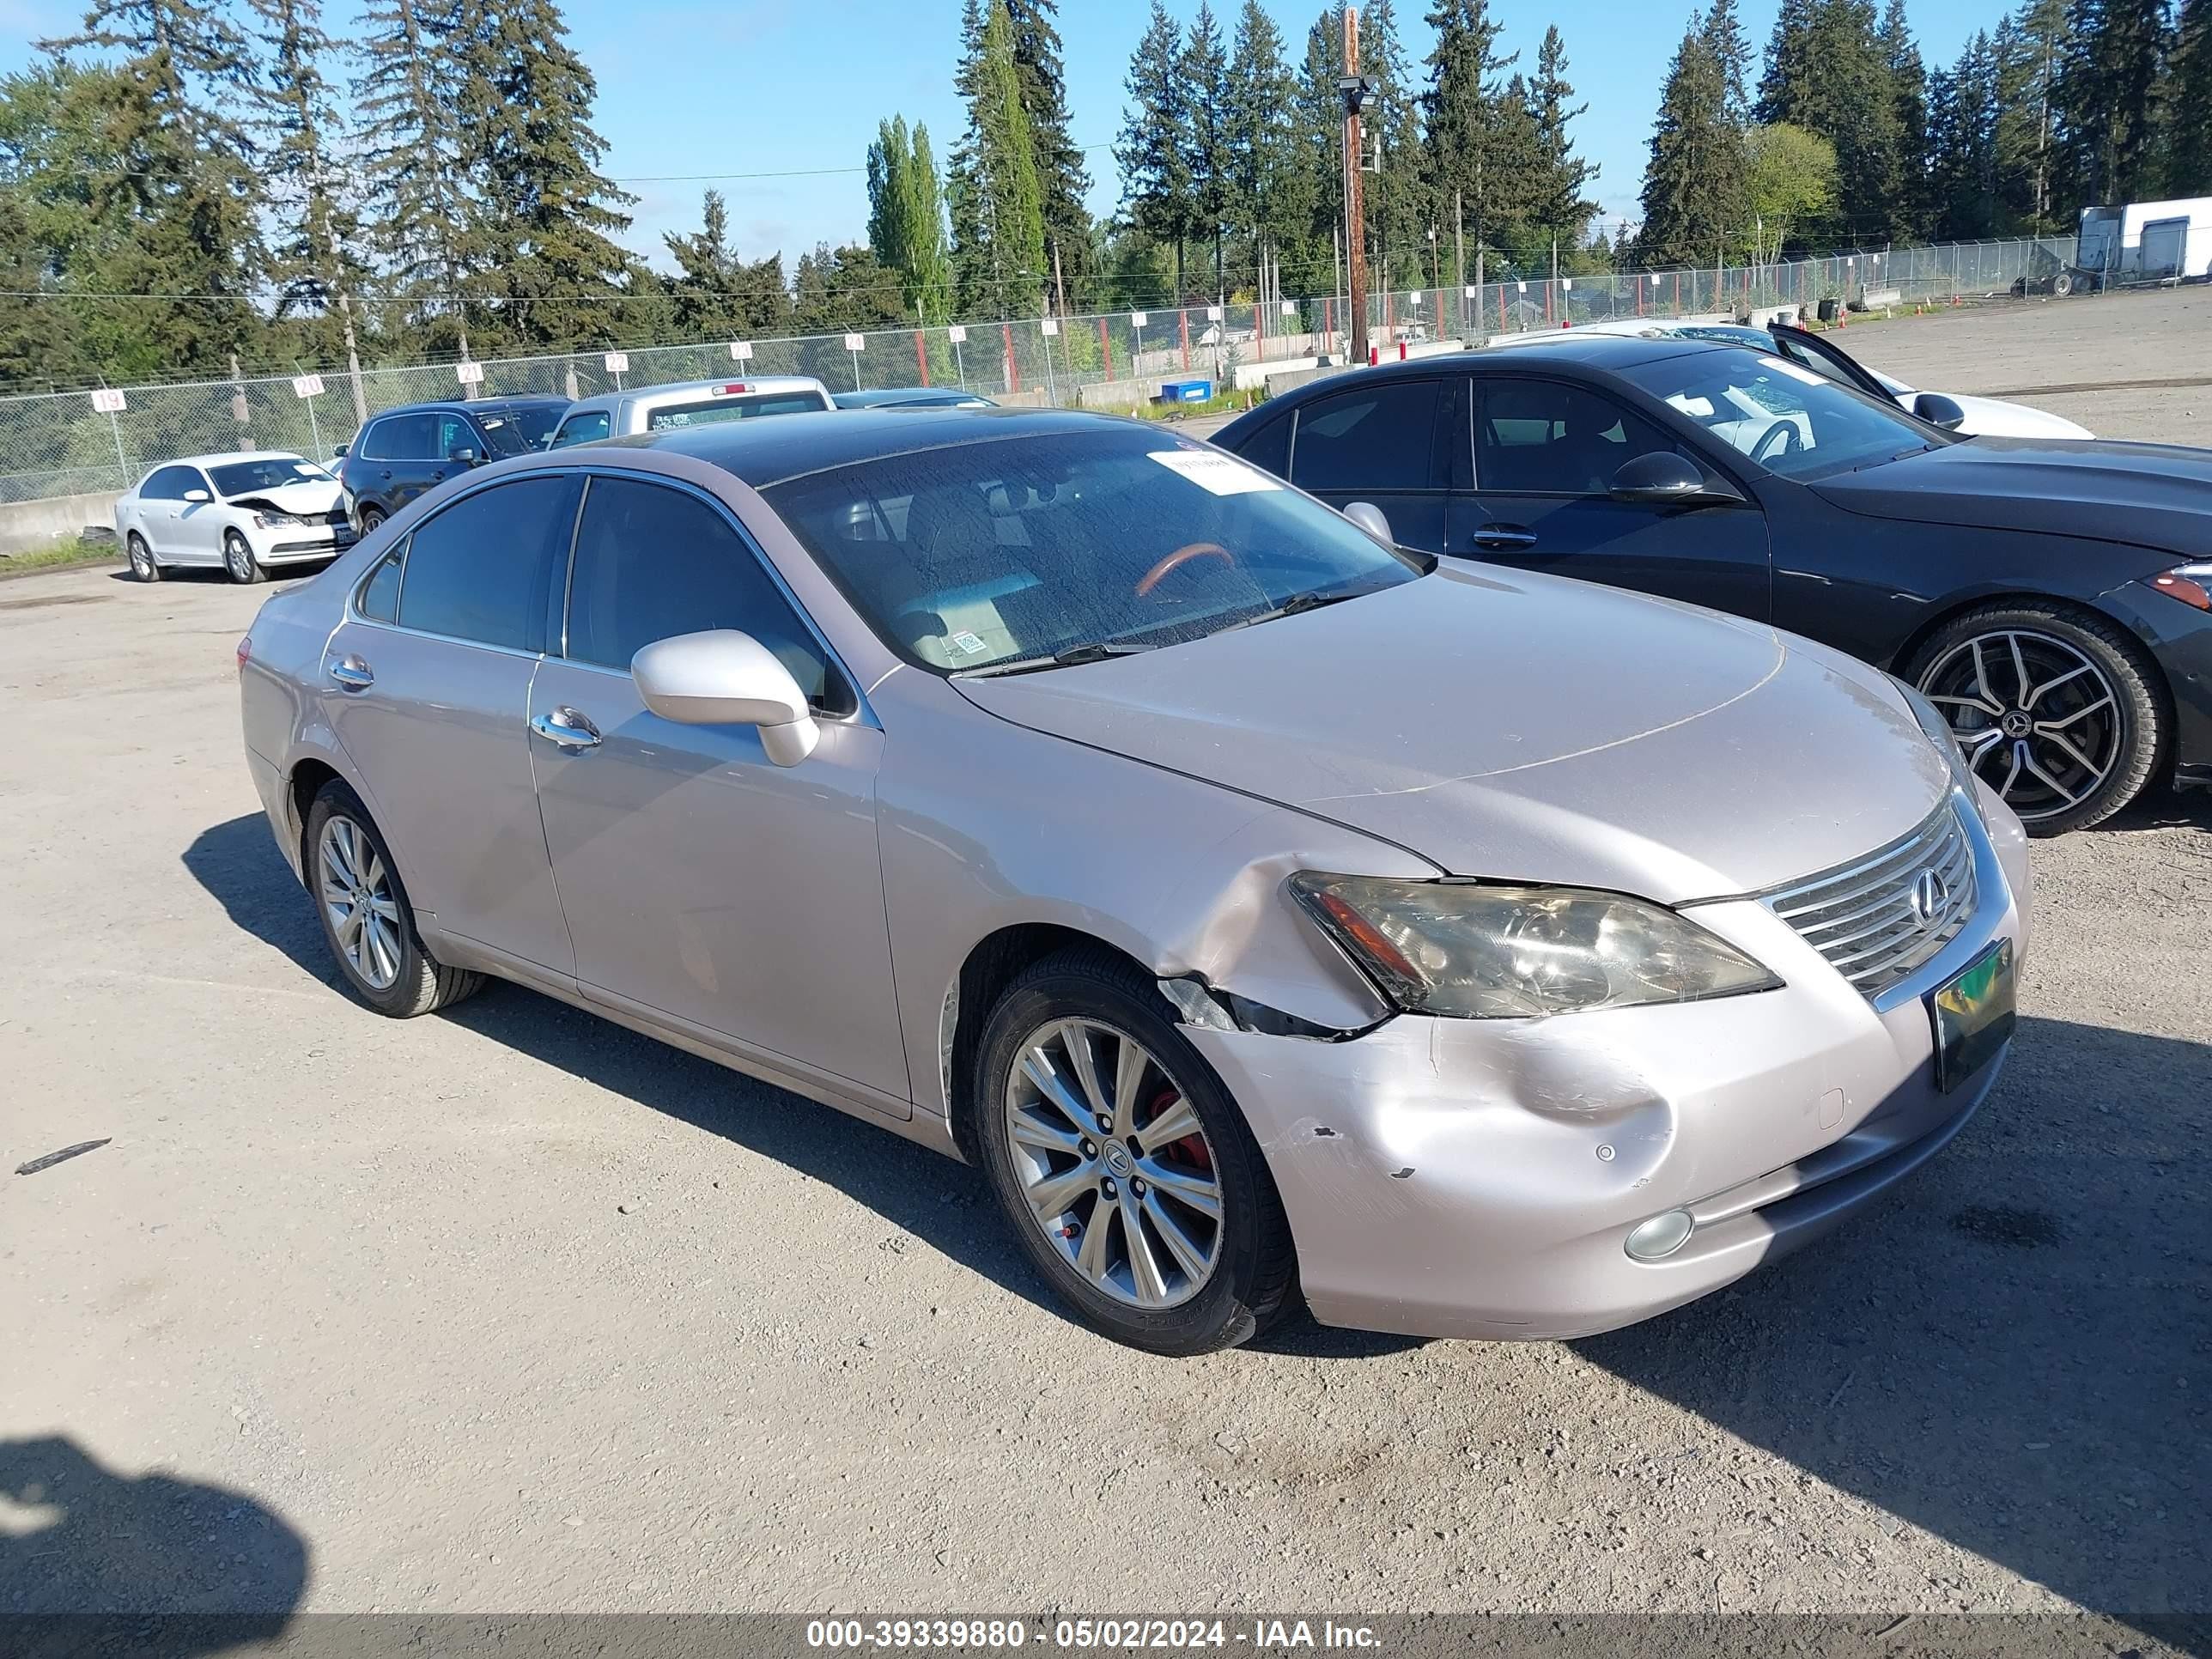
1793	371
1224	474
966	643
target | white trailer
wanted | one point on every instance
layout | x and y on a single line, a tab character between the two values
2147	241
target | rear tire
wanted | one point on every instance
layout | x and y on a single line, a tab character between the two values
238	560
366	919
1204	1284
370	518
2057	708
143	566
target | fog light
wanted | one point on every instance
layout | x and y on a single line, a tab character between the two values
1661	1236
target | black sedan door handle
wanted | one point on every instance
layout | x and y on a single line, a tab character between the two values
1501	537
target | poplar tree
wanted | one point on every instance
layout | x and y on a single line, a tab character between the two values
906	219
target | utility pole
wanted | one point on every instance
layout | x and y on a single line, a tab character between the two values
1059	288
1459	257
1356	89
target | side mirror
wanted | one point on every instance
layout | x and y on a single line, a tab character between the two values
198	496
1664	478
464	456
1937	409
1368	517
724	678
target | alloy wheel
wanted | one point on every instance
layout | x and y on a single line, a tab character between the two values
1114	1164
2040	721
142	562
358	903
238	557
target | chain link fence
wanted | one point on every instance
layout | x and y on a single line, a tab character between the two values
62	444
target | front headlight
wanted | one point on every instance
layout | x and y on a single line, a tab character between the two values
268	517
2190	583
1471	951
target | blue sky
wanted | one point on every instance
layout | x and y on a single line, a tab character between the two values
733	87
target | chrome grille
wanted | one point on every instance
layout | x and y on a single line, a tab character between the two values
1865	916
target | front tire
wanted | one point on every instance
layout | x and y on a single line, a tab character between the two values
366	919
1124	1165
143	566
238	560
2056	709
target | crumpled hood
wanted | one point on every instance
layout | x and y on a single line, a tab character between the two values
310	498
2153	495
1525	727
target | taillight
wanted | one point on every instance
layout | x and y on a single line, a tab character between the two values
2187	585
244	651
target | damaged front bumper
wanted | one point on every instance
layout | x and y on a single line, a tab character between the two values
1481	1178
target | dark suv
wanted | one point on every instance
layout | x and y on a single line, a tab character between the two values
405	451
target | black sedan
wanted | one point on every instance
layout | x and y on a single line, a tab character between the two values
2052	596
911	396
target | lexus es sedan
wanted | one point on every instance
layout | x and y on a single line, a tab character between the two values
1080	801
2053	596
243	512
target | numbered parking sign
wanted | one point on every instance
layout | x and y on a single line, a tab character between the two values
107	401
958	334
470	374
307	386
856	342
741	351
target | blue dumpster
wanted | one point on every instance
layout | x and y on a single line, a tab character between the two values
1185	391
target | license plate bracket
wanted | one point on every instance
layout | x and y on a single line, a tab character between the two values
1974	1014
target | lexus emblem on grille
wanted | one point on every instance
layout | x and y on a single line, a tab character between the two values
1929	894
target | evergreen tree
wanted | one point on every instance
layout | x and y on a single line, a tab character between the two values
1694	184
1467	128
1828	72
1271	195
999	256
1319	139
1399	203
716	295
1908	78
181	195
315	265
2188	104
1962	145
906	219
1782	85
1557	207
1063	179
415	199
1210	161
2106	100
537	247
1154	150
2030	49
1724	32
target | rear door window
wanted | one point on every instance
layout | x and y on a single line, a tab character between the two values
583	428
1379	436
401	438
482	569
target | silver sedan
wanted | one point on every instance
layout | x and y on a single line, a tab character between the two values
1270	912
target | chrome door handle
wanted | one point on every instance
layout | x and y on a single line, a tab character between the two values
1501	537
352	673
565	728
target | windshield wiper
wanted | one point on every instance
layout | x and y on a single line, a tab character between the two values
1311	599
1072	656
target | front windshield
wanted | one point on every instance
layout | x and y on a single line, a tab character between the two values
1018	549
271	472
1787	418
519	431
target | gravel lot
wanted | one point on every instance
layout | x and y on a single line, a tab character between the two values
510	1309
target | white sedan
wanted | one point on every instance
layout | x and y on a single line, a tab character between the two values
1981	418
245	511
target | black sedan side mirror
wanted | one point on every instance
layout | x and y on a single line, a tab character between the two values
1664	478
1937	409
463	457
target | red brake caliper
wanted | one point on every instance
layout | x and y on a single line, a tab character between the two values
1192	1147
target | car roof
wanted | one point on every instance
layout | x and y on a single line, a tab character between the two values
232	457
647	396
520	400
764	453
874	397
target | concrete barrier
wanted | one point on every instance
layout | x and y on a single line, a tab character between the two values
26	526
